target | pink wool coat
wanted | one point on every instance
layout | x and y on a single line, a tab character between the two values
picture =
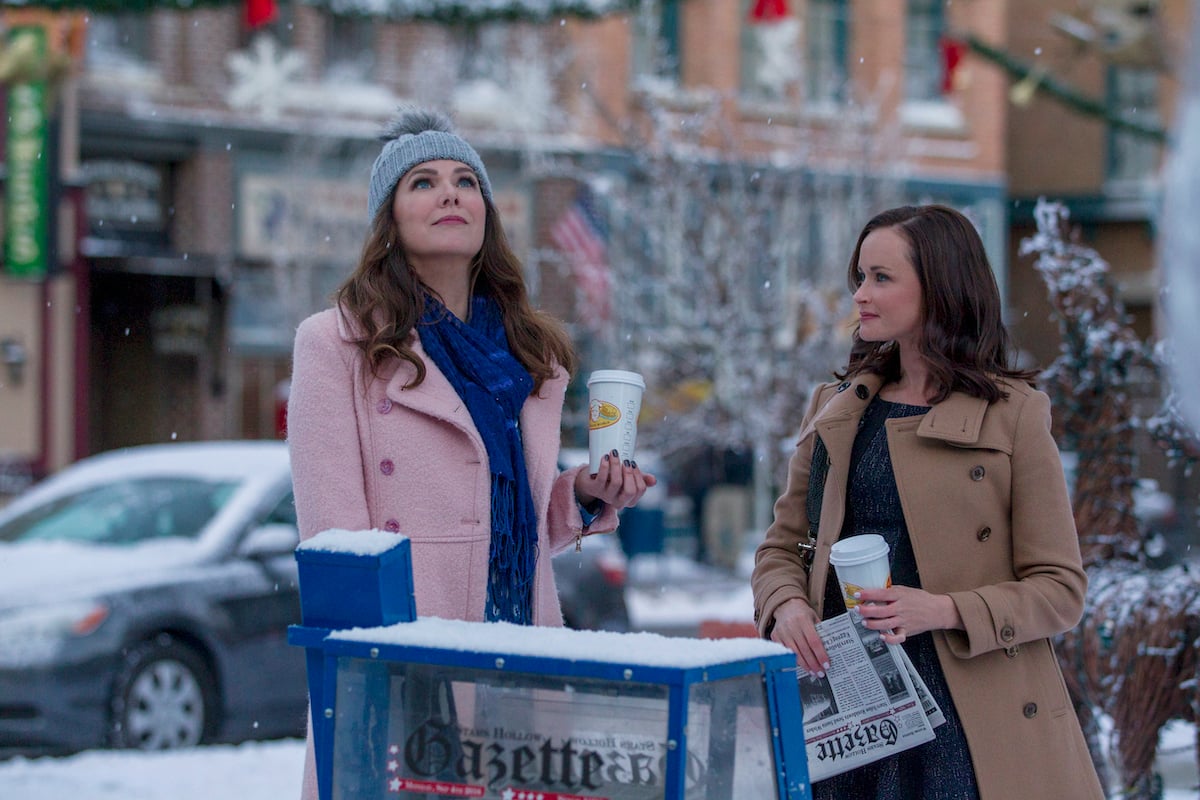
373	454
985	501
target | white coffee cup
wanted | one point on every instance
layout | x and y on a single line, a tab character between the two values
614	402
861	563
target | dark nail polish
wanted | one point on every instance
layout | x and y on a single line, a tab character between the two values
633	464
626	462
615	454
607	456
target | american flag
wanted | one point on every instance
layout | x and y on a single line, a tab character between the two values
580	234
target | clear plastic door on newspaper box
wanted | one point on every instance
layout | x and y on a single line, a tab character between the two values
434	708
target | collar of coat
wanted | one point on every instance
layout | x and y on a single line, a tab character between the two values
957	420
434	396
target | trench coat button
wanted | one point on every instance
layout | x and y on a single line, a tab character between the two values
1030	710
843	387
384	405
387	467
861	392
391	526
984	534
977	473
1011	652
1007	633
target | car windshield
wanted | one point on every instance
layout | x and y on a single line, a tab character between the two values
123	512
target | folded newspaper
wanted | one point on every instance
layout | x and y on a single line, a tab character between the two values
870	704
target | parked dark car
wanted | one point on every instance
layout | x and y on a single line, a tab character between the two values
144	600
145	596
591	584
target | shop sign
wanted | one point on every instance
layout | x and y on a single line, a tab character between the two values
501	762
122	194
283	218
26	190
286	219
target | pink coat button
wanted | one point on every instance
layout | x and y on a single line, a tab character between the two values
384	405
387	467
392	526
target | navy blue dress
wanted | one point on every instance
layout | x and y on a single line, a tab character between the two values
940	769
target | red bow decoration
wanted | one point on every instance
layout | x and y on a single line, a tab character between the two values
768	10
260	12
953	51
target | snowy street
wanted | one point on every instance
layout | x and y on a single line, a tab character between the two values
271	770
667	595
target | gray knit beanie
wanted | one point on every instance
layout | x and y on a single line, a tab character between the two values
414	137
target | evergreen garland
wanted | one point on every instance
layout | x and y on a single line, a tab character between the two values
442	11
1064	93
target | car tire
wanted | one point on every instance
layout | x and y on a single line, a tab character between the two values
163	697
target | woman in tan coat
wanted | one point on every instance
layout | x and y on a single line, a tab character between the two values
931	439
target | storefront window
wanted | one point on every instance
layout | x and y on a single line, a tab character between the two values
349	49
118	41
924	26
827	51
1134	94
656	42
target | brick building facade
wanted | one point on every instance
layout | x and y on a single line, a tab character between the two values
248	154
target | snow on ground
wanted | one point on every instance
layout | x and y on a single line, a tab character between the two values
272	770
251	771
1177	762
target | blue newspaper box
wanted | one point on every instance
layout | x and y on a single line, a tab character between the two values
436	708
355	578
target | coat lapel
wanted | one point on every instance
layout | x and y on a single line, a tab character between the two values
837	422
434	397
958	420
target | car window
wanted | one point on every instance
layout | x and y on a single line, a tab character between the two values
284	513
124	512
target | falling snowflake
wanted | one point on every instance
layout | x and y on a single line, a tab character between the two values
260	75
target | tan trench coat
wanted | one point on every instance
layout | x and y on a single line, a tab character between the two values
986	504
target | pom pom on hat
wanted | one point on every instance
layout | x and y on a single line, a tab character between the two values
413	137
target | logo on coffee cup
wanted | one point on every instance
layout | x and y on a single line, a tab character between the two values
602	415
851	589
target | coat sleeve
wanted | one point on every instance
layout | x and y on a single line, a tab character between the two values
779	573
1047	596
323	436
564	518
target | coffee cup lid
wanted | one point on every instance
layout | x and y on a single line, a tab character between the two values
857	549
616	376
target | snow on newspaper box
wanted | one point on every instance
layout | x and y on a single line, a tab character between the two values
434	708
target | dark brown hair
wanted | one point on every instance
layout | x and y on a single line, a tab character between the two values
963	336
385	299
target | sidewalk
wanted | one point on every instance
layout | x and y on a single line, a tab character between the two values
673	595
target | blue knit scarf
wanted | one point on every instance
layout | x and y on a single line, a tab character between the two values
476	360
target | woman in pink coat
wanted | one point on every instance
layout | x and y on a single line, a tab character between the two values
428	400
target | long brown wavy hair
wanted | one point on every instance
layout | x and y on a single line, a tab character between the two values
386	299
963	338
